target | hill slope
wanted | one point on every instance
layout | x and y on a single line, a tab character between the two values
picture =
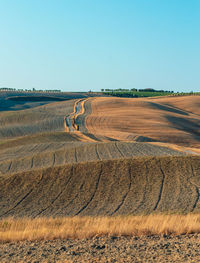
115	164
170	120
36	155
44	118
114	187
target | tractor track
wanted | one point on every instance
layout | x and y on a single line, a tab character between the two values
59	194
23	198
196	189
105	187
144	195
93	195
119	149
97	152
125	195
9	167
161	188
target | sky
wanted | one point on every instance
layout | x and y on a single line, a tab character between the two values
82	45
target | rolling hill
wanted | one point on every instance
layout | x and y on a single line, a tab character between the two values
111	187
122	157
170	119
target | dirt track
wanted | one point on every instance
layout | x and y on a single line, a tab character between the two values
105	249
70	121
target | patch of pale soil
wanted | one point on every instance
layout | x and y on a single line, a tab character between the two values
183	248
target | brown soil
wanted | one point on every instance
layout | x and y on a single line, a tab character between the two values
184	248
65	148
112	187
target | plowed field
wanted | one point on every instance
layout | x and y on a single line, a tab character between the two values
109	136
39	155
170	120
117	187
99	157
125	158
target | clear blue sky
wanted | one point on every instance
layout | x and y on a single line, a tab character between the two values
81	45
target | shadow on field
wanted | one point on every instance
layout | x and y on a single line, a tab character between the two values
167	108
186	125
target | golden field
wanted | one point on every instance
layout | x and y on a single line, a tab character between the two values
88	227
166	119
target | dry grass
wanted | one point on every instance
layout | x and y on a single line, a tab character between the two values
88	227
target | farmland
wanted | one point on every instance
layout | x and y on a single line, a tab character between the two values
169	120
98	158
129	137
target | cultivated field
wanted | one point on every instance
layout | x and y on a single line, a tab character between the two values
171	119
37	155
40	119
102	163
15	100
116	187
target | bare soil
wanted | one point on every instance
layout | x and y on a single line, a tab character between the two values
184	248
37	155
142	185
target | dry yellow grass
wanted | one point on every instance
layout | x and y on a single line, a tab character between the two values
88	227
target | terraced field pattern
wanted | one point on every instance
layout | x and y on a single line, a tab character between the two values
100	156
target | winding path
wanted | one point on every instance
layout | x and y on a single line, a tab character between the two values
70	120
